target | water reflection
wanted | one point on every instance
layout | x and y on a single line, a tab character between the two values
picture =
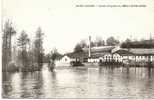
31	83
49	81
100	82
16	85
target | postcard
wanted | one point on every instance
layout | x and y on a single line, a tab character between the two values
77	49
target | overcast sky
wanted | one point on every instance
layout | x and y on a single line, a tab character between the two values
64	24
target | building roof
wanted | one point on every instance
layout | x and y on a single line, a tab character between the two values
142	51
100	49
135	51
77	55
97	55
96	52
123	52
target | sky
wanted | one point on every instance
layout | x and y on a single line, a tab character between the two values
64	24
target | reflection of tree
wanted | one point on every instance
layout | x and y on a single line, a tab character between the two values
100	71
149	72
126	82
110	80
127	73
146	84
54	77
48	88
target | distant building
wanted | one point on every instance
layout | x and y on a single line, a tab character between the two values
135	54
100	53
64	61
67	58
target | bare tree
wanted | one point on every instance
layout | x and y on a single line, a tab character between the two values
23	41
38	47
8	32
99	41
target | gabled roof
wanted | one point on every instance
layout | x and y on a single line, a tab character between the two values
123	52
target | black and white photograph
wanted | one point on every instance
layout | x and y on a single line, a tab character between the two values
77	49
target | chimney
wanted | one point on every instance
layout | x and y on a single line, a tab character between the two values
89	46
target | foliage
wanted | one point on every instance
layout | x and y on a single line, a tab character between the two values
83	44
55	54
23	40
99	42
78	48
111	41
76	63
138	44
8	32
38	47
22	44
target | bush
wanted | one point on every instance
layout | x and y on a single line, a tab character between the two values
76	63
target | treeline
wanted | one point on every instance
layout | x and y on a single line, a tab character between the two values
138	44
25	53
52	56
111	41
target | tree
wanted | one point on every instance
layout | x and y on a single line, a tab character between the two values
23	41
92	44
128	40
111	41
83	44
99	41
78	48
46	58
55	54
138	44
38	47
8	32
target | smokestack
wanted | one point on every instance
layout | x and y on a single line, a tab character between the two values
89	46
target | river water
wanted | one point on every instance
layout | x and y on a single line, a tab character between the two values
100	82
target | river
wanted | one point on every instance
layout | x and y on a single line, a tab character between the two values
100	82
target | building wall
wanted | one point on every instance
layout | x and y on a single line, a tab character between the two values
93	60
64	61
138	58
119	58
